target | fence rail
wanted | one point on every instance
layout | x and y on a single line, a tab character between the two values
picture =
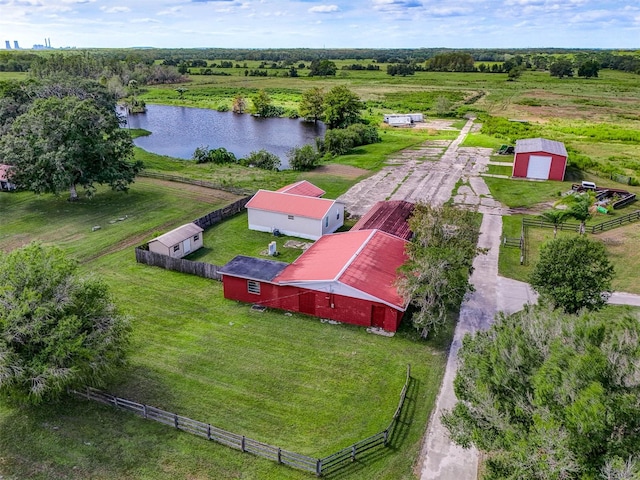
319	466
597	228
201	269
193	181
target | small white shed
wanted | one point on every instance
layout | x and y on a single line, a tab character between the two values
179	242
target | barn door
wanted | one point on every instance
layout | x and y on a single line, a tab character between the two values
377	316
187	245
307	302
539	167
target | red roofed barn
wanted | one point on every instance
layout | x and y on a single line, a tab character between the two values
295	215
349	277
540	158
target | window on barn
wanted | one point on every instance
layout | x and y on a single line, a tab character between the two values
337	214
253	287
326	221
196	238
290	217
176	248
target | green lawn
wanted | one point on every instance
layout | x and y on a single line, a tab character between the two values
287	380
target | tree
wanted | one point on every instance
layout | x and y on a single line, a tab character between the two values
341	107
239	104
580	205
589	69
62	143
561	68
57	329
548	395
303	158
262	103
322	68
573	273
555	217
311	106
436	276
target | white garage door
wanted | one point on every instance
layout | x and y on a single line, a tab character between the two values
539	167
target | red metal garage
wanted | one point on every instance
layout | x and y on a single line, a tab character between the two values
348	277
540	158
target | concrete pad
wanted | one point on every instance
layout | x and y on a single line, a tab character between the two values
622	298
513	295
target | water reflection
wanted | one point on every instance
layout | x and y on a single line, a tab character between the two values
178	131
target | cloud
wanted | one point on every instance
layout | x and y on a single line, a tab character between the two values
115	9
395	6
324	9
170	11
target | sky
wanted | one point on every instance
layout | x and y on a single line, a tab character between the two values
322	24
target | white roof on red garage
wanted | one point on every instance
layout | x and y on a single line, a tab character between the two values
530	145
365	260
289	204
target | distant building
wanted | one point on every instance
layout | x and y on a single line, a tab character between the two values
7	44
403	119
5	184
15	45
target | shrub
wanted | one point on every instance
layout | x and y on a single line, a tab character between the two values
217	155
262	159
303	158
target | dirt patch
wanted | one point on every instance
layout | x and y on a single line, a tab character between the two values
337	170
435	125
536	209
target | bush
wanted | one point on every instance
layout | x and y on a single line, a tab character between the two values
217	155
262	159
303	158
339	141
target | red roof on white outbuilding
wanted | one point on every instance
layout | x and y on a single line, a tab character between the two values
302	187
287	203
365	260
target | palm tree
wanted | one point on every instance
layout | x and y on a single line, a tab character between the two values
555	217
579	207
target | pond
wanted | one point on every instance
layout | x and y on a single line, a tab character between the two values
178	131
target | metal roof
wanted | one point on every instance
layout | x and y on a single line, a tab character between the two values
177	235
366	260
529	145
253	268
303	187
300	205
389	216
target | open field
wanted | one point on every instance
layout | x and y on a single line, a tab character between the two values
290	381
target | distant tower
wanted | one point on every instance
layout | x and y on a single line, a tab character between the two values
49	45
15	45
7	44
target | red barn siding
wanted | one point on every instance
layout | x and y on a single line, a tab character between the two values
556	172
320	304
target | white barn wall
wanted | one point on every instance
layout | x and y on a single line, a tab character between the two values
302	227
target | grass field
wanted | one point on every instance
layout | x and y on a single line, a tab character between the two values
290	381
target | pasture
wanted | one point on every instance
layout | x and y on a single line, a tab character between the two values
291	381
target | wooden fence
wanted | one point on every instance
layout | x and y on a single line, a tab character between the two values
319	466
217	216
522	242
201	269
193	181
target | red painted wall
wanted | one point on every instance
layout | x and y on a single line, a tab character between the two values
556	172
325	305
